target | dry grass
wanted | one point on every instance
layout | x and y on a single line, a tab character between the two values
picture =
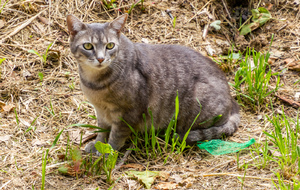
34	24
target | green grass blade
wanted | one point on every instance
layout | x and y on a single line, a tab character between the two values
44	169
89	126
56	138
17	119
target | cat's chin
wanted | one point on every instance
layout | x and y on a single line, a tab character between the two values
100	66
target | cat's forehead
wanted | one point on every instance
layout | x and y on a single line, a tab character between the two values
101	33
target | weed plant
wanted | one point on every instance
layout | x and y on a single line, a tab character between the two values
42	56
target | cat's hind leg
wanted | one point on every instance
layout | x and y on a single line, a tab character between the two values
216	132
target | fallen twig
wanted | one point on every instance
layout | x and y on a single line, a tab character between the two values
225	5
5	184
293	103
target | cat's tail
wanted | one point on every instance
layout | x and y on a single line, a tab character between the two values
217	132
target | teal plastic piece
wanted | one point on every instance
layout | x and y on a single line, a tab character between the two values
219	147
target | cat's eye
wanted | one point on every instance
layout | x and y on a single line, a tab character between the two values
110	45
88	46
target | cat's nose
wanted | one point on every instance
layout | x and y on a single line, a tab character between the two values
100	60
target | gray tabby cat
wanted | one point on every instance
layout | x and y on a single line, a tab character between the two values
123	79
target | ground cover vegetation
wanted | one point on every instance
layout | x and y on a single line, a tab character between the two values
45	120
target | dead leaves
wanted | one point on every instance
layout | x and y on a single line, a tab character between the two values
1	24
4	138
166	185
163	179
146	177
6	108
292	64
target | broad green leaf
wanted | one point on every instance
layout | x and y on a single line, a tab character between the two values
259	17
249	27
262	15
245	30
233	56
103	148
76	154
146	177
112	159
63	169
255	13
263	10
216	24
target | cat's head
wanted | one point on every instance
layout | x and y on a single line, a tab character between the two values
95	45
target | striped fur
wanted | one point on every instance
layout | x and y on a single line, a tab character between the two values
135	77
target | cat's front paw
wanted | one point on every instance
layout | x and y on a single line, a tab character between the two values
90	148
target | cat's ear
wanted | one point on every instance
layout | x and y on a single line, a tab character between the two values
119	23
74	25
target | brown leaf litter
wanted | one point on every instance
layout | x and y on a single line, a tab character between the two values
27	25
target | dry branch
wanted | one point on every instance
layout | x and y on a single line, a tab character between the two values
293	103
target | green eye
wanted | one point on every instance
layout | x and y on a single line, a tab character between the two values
88	46
110	45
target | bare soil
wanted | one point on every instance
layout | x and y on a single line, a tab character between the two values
51	104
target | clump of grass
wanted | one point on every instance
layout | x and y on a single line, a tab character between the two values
150	144
286	143
252	81
281	148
